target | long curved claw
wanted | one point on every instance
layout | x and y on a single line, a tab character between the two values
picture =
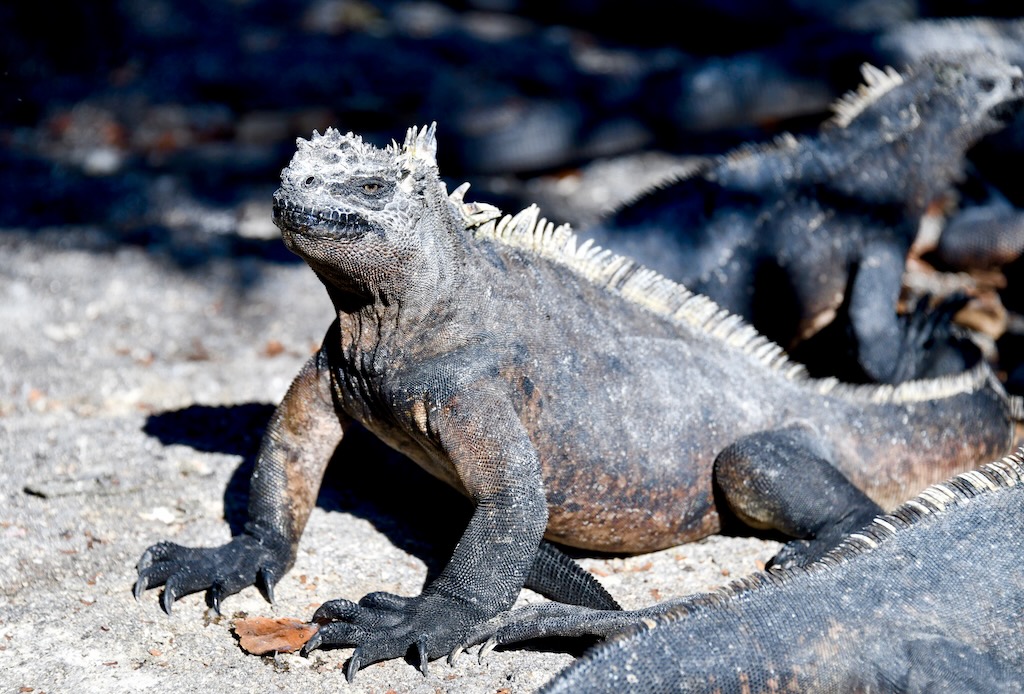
141	584
334	610
167	599
214	596
421	649
265	581
488	646
456	652
315	641
354	663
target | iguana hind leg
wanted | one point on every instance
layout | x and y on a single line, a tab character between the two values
783	480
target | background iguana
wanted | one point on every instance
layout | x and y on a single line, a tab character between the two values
790	234
929	598
568	392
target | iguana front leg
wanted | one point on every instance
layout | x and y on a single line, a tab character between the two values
872	311
300	440
489	449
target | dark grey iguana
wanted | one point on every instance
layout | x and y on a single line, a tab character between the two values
929	598
568	392
791	233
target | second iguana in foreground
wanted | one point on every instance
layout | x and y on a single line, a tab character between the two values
569	393
929	598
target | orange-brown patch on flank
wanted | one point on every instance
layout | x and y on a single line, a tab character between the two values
593	526
303	442
262	635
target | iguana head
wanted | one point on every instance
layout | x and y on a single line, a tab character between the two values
969	95
915	126
356	213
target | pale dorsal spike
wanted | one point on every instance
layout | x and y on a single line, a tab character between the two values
473	214
525	222
501	228
419	151
877	81
458	196
871	74
645	287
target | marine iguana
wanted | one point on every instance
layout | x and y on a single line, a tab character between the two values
568	392
787	234
928	598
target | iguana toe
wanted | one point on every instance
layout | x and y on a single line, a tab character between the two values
335	610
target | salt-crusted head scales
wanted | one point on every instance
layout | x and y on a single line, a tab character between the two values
332	154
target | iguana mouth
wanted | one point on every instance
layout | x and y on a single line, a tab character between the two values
1005	111
308	221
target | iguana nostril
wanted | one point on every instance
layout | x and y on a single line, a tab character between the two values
310	180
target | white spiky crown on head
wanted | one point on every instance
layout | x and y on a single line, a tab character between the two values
351	154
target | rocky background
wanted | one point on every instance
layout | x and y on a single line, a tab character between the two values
150	316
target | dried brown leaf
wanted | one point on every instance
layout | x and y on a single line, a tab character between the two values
262	635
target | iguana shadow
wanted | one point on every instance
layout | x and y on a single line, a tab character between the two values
417	513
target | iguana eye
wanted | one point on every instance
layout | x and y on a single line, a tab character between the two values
371	188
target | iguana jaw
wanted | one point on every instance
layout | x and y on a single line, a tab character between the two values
997	93
297	221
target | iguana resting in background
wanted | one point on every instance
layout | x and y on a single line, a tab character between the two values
790	233
568	392
929	598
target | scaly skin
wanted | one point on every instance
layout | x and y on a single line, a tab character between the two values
797	234
568	393
927	599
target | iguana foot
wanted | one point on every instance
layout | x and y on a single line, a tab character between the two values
384	625
801	552
929	346
222	571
